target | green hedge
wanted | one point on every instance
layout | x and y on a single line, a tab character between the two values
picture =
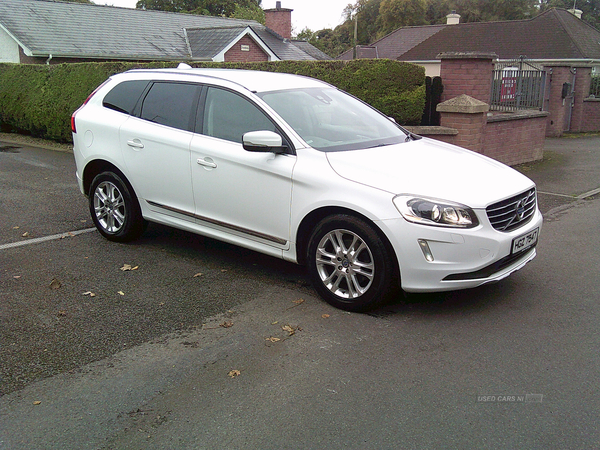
39	99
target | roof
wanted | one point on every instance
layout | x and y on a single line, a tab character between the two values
80	30
552	35
251	80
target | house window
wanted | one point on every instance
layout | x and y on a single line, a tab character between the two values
245	48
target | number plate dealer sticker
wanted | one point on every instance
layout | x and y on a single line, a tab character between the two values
526	241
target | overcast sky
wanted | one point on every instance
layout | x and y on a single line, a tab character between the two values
314	14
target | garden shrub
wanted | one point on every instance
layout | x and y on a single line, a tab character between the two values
39	99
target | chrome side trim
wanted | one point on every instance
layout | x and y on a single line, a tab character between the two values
252	233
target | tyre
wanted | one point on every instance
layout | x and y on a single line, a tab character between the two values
115	209
349	264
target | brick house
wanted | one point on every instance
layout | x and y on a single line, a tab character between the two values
42	31
555	36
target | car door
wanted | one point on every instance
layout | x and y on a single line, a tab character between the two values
245	194
156	148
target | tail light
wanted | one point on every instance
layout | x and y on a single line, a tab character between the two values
73	127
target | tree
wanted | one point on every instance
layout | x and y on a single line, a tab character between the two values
394	14
224	8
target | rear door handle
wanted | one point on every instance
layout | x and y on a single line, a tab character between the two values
135	143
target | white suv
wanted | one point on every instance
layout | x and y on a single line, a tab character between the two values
297	169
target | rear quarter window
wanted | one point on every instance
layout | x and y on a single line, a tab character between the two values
124	96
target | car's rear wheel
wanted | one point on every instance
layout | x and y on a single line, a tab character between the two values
114	209
349	264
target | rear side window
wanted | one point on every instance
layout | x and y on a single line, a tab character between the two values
124	96
170	104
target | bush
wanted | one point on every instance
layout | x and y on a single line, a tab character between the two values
40	99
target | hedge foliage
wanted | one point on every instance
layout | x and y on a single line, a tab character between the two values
40	99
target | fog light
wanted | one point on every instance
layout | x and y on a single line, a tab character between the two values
425	249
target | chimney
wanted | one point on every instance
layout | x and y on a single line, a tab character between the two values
279	20
576	12
452	18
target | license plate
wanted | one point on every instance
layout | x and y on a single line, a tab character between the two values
526	241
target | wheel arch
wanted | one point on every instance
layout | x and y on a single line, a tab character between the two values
314	217
96	167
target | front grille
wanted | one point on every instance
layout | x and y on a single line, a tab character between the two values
513	212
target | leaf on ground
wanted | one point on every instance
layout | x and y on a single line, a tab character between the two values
197	275
121	293
55	284
61	313
325	316
223	270
16	277
16	228
289	329
273	339
128	267
37	402
226	324
234	373
299	302
26	234
90	293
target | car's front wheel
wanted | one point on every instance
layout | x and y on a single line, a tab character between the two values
349	265
114	209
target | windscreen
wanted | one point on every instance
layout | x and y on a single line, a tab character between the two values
330	120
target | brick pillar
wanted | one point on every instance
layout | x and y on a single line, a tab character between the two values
467	115
557	106
279	20
467	73
583	79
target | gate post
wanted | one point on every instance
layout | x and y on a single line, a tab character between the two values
561	80
467	73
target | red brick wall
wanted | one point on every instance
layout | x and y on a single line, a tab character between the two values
515	141
469	126
556	106
591	115
470	76
235	53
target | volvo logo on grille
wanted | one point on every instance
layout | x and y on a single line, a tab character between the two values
520	210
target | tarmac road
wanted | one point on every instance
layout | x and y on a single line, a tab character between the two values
246	356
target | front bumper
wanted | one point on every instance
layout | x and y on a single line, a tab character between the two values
459	258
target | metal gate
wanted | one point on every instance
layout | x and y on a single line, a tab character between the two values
517	84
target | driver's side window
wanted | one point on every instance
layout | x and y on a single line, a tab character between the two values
228	116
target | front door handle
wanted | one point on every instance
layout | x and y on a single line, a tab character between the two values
206	163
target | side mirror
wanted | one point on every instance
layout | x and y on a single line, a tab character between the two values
263	142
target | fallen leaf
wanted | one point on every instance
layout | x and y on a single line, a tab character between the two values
25	234
273	339
234	373
223	270
121	293
325	316
197	275
37	402
161	304
90	293
226	324
16	228
298	302
289	329
61	313
55	284
16	277
127	267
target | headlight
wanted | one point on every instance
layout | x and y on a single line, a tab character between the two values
429	211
